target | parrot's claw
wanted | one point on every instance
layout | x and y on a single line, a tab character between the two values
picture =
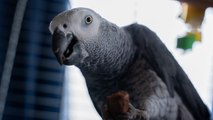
136	114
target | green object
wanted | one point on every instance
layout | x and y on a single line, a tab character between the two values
186	42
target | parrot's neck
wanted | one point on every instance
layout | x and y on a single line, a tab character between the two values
109	61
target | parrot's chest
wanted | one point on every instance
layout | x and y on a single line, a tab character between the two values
137	81
140	85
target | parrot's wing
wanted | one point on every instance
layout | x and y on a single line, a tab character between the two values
168	69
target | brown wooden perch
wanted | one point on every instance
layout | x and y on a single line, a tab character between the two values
206	3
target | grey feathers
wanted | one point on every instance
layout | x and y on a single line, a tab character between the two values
132	59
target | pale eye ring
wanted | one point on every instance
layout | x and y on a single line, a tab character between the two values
88	19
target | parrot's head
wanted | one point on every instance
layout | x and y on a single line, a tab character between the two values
71	31
81	36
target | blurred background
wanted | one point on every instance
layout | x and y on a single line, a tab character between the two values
35	87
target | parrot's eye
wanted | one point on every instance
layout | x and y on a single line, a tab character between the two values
65	26
88	20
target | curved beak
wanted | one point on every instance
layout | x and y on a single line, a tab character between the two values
60	43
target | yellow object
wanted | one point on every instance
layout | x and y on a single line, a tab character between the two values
197	35
193	14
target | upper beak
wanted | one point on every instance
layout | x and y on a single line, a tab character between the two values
60	43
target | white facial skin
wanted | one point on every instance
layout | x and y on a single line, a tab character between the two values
82	23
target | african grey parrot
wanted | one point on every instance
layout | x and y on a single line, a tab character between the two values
130	58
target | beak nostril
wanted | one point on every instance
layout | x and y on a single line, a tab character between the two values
65	26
